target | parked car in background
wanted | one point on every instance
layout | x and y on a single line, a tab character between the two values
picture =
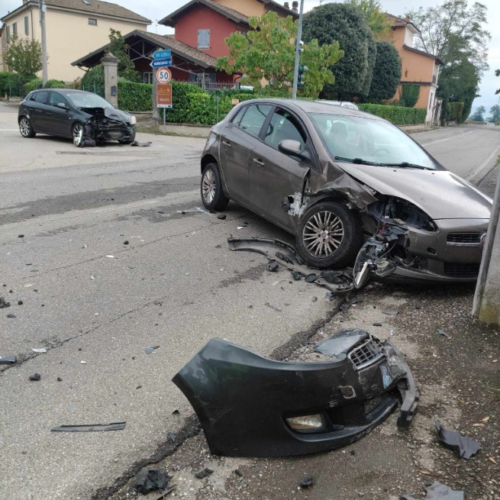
74	114
336	178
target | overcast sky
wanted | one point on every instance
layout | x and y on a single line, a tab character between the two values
157	9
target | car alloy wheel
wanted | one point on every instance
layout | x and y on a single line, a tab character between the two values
77	134
25	128
323	234
209	186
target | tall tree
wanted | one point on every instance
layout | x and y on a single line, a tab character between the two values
495	113
374	15
119	48
477	116
387	72
497	72
336	22
24	57
267	53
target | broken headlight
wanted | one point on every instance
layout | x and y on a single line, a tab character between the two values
306	423
409	214
133	120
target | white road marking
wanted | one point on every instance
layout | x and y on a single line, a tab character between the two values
9	130
483	166
448	138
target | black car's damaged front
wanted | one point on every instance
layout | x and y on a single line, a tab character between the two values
249	405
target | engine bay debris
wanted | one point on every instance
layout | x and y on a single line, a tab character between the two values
252	406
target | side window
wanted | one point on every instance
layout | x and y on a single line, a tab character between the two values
41	97
283	126
56	98
254	118
238	116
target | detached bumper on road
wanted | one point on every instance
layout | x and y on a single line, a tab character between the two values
251	406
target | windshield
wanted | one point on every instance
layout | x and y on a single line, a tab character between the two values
87	100
371	142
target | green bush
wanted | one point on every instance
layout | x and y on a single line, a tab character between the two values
54	84
135	96
455	111
397	115
11	84
410	94
386	73
34	84
93	80
497	123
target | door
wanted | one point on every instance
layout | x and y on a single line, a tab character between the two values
38	105
239	141
276	176
58	119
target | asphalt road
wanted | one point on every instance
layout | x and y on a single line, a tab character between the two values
96	302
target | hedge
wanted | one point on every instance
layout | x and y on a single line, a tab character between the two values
54	84
454	111
11	84
397	115
34	84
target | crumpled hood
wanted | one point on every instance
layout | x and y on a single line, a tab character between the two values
111	113
440	194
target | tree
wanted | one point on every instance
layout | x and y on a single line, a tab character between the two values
386	73
477	116
24	57
497	72
375	17
495	113
119	48
335	22
267	53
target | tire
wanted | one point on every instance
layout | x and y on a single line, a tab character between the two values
26	128
329	235
77	131
212	195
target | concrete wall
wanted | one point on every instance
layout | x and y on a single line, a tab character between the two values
69	36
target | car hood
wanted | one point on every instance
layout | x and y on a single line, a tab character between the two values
441	194
111	113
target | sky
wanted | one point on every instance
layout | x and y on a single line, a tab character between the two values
157	9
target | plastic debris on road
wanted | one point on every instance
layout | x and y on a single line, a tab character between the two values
117	426
466	446
438	491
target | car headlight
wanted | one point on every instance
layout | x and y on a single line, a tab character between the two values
133	120
306	423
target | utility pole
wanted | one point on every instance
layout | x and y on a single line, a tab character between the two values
42	8
297	51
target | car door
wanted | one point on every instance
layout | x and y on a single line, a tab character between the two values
58	119
276	176
38	106
239	140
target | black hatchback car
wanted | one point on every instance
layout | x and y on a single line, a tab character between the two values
74	114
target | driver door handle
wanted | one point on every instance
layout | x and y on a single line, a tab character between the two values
259	162
227	144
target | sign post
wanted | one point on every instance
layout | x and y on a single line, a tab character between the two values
162	95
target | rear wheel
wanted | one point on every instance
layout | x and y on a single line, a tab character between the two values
25	128
212	195
329	235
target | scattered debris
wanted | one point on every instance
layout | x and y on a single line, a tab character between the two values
40	350
83	362
21	236
141	144
110	256
59	379
20	302
443	333
164	493
176	412
240	227
438	491
126	242
117	426
297	276
203	473
466	446
390	313
149	350
272	266
311	278
151	480
172	436
8	360
307	482
377	324
3	303
222	216
35	377
238	472
11	316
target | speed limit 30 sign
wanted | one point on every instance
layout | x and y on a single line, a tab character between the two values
163	75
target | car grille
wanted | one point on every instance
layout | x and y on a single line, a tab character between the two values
454	270
366	353
464	239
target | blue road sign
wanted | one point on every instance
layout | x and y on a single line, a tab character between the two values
161	63
162	54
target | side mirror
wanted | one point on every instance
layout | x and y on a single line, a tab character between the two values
290	147
62	105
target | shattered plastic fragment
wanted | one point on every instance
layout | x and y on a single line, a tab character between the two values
151	480
443	333
35	377
465	445
116	426
149	350
172	436
307	482
41	350
438	491
311	278
221	217
203	473
390	313
272	266
141	144
3	303
8	360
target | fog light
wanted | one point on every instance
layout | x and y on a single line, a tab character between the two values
133	120
306	423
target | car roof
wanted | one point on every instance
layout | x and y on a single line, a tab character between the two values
317	107
66	91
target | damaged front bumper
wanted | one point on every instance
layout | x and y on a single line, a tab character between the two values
251	406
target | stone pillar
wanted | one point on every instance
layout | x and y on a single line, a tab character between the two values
110	63
487	298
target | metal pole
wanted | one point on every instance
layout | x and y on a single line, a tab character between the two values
42	7
164	121
217	96
297	51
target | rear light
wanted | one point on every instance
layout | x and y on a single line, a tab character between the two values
306	423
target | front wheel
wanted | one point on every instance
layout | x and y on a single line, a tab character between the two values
329	235
212	195
26	128
77	132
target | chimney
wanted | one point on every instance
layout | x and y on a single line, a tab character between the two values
287	5
295	6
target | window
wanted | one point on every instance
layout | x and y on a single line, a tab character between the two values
237	118
14	29
26	26
56	99
92	21
203	39
254	118
41	97
147	77
284	126
8	34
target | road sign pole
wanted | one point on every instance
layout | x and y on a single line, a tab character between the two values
164	121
